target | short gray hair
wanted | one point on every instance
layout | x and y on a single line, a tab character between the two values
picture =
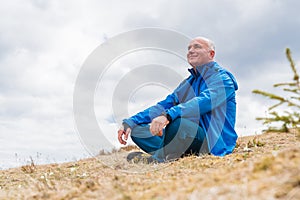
210	43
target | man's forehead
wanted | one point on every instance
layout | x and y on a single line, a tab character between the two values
198	41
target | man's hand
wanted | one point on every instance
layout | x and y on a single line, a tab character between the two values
157	125
125	133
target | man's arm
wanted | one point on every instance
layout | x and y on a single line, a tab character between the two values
220	88
146	116
158	123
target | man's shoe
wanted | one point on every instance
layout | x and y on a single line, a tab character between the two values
172	157
140	157
131	156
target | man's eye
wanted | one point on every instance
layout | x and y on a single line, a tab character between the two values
195	47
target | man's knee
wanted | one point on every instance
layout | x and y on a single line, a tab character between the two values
140	131
174	125
182	125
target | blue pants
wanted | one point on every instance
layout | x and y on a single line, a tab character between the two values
181	137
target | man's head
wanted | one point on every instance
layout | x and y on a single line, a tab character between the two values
200	51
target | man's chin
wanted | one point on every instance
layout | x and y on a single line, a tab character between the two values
192	64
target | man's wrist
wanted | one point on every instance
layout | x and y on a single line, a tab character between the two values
169	118
126	126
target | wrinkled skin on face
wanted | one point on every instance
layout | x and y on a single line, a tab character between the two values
199	52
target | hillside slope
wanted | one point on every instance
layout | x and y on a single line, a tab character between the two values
262	167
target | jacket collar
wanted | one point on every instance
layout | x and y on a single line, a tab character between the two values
200	70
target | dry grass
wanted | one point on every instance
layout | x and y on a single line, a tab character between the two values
261	167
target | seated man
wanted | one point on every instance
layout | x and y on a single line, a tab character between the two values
198	117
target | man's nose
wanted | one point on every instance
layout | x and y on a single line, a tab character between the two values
191	51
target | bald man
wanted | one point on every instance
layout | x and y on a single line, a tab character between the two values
197	118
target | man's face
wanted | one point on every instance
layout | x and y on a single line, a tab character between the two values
199	52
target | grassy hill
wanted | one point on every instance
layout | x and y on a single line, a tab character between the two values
262	167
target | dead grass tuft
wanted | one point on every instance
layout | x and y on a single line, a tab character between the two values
29	168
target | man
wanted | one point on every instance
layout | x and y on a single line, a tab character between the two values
198	117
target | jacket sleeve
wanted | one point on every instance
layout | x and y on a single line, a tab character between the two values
219	88
150	113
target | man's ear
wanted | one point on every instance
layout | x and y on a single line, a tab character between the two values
212	54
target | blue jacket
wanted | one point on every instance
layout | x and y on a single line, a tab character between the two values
206	97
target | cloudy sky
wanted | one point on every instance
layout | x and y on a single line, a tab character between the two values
43	45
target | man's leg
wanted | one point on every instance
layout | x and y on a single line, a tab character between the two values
143	138
181	137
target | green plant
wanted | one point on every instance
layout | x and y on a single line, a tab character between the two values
290	119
